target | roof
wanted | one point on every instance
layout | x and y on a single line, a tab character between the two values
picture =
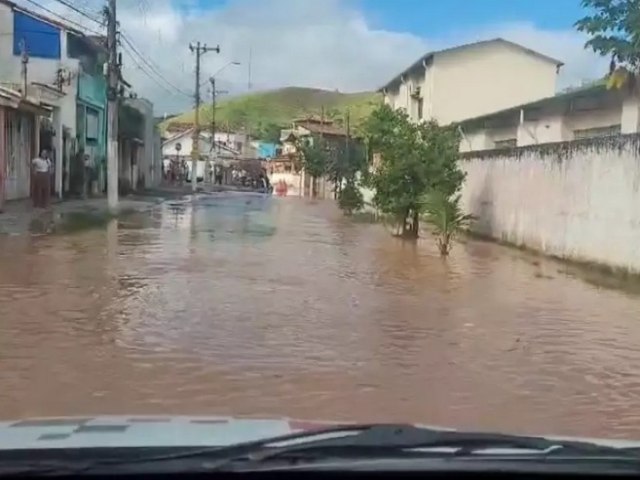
429	56
325	128
590	91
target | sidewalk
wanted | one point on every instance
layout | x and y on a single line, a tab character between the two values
19	217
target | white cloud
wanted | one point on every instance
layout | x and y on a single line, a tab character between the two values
327	44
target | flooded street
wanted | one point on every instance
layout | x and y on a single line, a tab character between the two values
264	306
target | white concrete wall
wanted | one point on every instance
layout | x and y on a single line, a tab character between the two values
575	200
552	126
292	180
489	77
594	119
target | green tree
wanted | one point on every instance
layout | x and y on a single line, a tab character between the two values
350	197
314	159
614	30
443	213
269	132
415	159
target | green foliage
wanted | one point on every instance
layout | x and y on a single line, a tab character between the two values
350	198
314	157
614	30
346	160
442	211
268	132
280	107
414	160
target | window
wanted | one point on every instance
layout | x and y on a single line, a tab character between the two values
596	132
92	124
507	143
40	39
420	107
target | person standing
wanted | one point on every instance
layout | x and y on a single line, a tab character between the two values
88	175
41	180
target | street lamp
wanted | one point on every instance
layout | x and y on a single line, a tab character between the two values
212	79
223	67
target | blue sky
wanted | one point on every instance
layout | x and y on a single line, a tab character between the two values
441	18
438	18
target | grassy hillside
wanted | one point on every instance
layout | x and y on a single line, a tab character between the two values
262	112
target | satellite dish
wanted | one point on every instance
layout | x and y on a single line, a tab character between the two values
178	147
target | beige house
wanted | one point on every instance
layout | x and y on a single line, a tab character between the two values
583	113
471	80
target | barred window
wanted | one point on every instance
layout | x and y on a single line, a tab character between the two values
596	132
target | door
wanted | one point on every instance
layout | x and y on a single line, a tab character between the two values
19	128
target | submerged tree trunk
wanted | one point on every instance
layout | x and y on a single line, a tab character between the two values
416	224
410	223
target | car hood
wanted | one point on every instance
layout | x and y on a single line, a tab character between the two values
168	431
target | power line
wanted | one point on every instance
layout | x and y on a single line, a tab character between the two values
156	78
48	10
151	66
84	13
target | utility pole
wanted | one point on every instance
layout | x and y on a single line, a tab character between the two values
25	62
199	50
112	108
214	94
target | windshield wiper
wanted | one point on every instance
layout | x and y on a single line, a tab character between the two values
409	441
345	443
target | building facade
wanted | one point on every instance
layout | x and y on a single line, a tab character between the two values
471	80
19	142
61	68
583	113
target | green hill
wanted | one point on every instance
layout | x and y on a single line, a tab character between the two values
264	113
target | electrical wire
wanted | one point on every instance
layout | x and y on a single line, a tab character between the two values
156	78
150	65
51	12
84	13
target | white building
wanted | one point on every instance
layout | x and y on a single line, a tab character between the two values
583	113
50	59
179	148
471	80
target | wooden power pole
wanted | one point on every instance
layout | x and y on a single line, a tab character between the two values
199	49
112	108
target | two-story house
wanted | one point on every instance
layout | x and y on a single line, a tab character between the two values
471	80
61	67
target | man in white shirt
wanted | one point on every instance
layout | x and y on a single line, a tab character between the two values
41	167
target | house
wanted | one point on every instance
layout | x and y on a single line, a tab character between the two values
148	157
285	169
19	123
588	112
179	146
62	68
265	150
471	80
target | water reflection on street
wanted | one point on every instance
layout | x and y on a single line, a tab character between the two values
242	304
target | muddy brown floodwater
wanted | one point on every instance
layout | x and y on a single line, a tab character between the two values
246	305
